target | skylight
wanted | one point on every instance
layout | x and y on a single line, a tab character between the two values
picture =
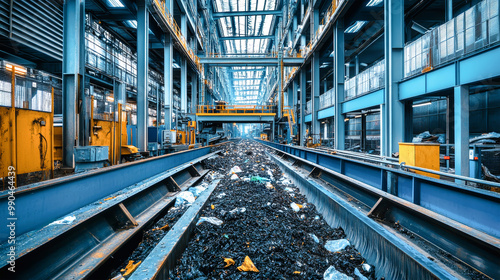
131	23
114	4
373	3
356	26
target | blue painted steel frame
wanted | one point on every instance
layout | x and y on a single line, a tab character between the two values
473	207
39	204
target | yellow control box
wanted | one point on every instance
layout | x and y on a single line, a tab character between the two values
424	155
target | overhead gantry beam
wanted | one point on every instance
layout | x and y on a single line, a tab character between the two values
246	13
246	37
250	61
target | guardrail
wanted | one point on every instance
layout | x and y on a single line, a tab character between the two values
236	109
473	207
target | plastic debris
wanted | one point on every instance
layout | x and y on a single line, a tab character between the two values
259	179
358	273
238	210
235	169
336	245
64	221
314	237
211	220
161	228
229	262
289	189
296	207
184	197
118	277
221	195
196	191
212	206
234	177
366	267
296	272
269	185
332	274
130	268
247	265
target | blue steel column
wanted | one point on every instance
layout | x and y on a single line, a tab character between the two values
142	75
194	92
338	83
315	81
393	117
303	102
461	106
448	9
73	70
184	68
168	80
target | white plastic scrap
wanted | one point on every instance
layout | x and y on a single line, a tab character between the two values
234	177
295	207
358	273
336	245
332	274
184	197
366	267
196	191
314	237
64	221
211	220
288	189
238	210
221	195
235	169
269	185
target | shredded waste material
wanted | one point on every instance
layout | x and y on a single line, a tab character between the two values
261	228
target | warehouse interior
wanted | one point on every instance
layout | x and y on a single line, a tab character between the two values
400	96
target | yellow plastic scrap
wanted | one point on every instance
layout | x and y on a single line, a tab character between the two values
130	267
247	265
229	262
300	205
213	207
296	272
161	228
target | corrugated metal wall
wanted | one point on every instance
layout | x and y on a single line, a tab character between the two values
34	24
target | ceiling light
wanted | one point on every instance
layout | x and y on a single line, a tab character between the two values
358	116
356	26
422	104
373	3
115	3
131	23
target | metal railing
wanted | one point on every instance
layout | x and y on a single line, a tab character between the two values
236	109
371	79
476	28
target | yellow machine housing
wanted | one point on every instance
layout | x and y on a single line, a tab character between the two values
263	136
425	155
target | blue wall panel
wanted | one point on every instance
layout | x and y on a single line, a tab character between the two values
308	118
440	79
326	113
412	87
363	102
480	67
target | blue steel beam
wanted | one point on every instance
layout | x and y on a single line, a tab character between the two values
461	105
393	113
250	61
338	83
73	71
142	75
302	118
246	37
246	13
473	207
41	203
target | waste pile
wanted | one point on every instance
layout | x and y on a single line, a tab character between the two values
257	225
426	137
